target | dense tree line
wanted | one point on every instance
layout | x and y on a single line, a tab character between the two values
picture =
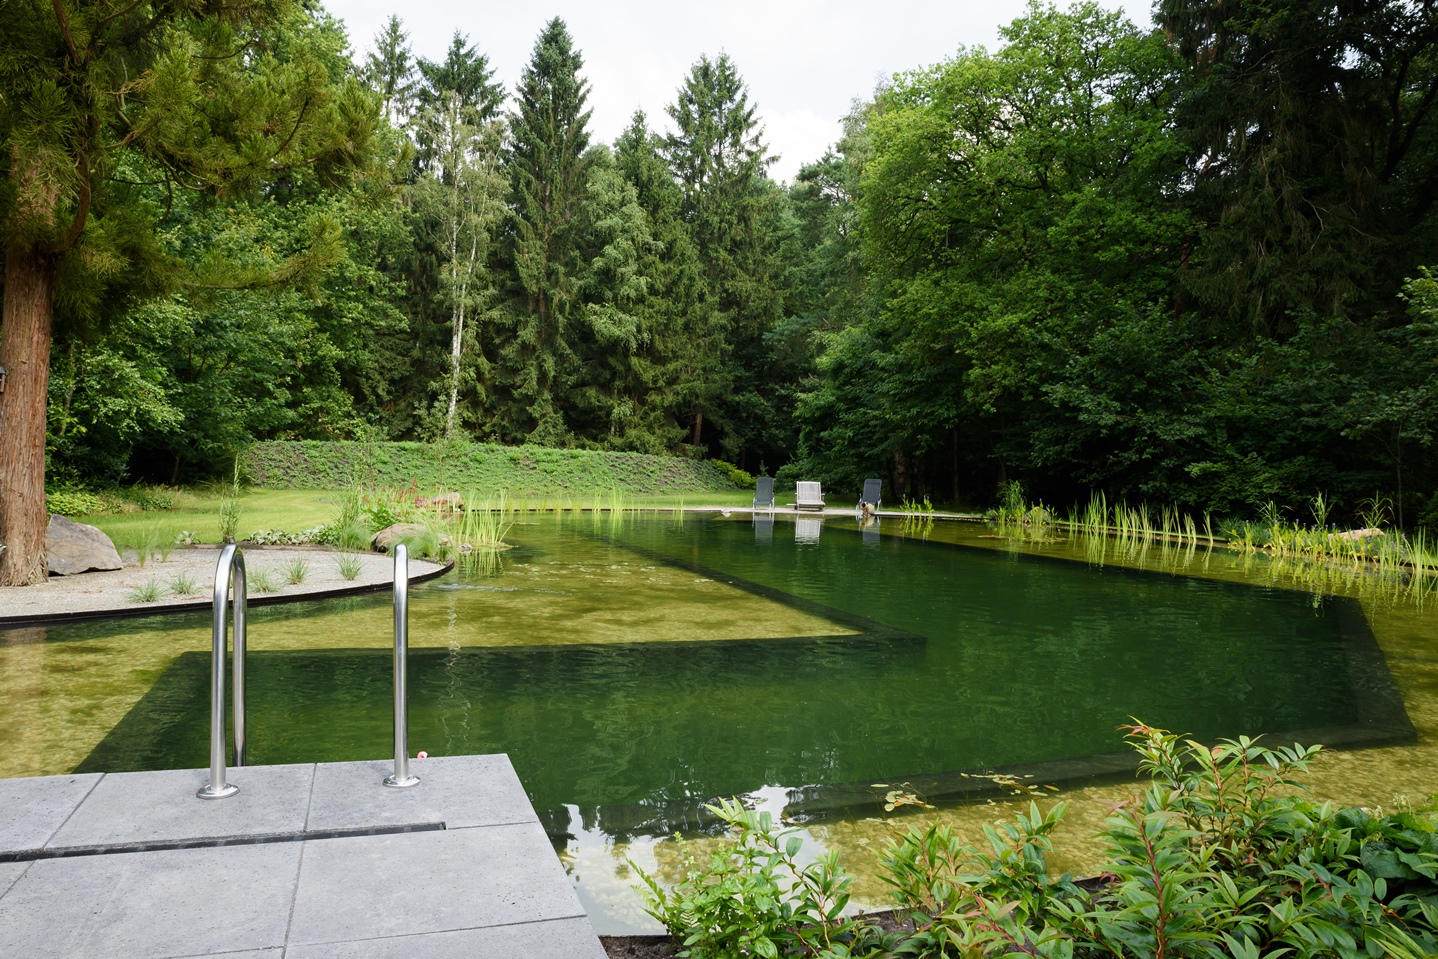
1184	264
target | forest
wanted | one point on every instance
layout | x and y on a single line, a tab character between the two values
1186	264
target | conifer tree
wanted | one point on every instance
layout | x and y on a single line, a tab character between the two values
465	72
389	70
720	159
550	178
679	367
100	96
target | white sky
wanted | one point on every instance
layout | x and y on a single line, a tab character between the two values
804	60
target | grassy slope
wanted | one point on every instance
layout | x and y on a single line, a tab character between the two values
517	470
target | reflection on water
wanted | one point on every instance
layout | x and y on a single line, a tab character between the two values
807	529
635	669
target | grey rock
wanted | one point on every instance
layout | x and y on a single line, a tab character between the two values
387	537
72	547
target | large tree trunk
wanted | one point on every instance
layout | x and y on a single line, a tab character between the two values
25	356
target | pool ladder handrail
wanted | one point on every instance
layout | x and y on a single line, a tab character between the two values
401	778
229	571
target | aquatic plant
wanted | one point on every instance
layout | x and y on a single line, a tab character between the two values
484	526
184	585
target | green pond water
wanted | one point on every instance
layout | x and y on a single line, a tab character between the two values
635	669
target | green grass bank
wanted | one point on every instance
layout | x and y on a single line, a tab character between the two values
520	471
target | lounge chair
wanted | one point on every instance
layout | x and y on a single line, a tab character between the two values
872	489
808	496
764	492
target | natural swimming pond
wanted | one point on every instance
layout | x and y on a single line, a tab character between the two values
634	669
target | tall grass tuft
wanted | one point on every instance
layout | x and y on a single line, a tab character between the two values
349	565
264	581
147	592
184	585
296	571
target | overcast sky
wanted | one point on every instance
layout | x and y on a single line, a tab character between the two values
804	61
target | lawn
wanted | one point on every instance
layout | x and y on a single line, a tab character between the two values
198	512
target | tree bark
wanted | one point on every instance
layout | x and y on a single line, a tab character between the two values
25	355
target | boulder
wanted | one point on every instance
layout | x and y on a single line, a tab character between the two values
72	547
390	535
447	501
1358	534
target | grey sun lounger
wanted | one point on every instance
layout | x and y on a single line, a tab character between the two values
764	492
872	489
807	495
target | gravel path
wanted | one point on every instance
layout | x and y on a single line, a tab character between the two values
111	591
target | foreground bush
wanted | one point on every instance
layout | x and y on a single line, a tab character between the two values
1216	857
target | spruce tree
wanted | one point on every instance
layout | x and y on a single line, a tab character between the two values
389	70
550	176
732	208
465	72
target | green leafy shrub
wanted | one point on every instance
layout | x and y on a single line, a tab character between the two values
753	898
149	498
740	478
1219	856
74	503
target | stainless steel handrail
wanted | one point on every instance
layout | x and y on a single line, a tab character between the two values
230	569
401	777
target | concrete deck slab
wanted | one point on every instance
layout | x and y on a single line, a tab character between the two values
157	806
382	886
558	939
33	810
461	791
9	873
151	905
489	884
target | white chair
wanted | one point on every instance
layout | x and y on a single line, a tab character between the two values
808	496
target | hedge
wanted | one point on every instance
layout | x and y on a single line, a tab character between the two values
516	470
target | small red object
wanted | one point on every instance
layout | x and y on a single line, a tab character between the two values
422	755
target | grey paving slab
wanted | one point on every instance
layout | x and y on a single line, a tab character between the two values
459	791
9	872
246	954
556	939
380	886
32	809
153	806
148	905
